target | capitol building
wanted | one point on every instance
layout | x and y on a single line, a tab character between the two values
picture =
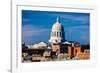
58	48
59	43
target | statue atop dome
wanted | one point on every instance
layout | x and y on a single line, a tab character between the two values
58	19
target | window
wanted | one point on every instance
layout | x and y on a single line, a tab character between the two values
57	34
60	34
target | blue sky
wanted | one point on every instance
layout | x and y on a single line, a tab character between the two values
36	26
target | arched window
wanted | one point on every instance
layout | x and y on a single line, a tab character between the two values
54	34
57	34
60	34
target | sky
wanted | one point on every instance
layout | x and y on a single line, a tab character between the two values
37	25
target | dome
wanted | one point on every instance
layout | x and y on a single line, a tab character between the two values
57	26
57	32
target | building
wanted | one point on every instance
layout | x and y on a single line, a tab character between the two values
59	43
57	36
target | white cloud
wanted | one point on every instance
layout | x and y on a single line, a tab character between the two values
30	30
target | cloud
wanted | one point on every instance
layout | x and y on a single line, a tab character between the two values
32	34
72	19
30	30
83	17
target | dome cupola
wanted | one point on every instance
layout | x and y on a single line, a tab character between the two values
57	32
